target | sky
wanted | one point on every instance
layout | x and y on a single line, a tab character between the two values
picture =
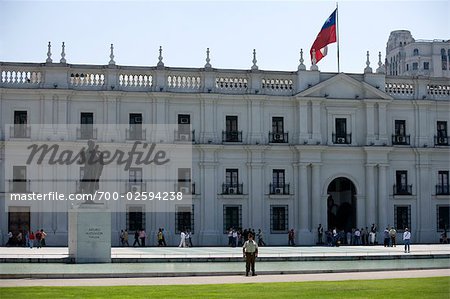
231	29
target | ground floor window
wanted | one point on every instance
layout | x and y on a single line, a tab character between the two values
443	217
184	219
18	219
232	217
402	217
135	218
279	219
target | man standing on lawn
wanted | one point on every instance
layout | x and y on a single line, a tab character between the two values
250	252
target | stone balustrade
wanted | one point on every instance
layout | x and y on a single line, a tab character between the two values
208	80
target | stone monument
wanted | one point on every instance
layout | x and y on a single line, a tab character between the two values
90	221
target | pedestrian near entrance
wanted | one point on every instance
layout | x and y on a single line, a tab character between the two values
291	237
142	236
407	239
393	235
386	237
319	234
125	238
43	235
32	237
250	252
136	238
10	239
182	239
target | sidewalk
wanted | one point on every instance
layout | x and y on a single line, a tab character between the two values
223	279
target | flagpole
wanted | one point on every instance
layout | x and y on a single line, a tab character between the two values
337	35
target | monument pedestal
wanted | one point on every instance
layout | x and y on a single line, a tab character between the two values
90	233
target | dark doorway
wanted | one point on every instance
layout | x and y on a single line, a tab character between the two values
341	204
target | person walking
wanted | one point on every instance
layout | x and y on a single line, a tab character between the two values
43	235
142	236
32	237
163	237
250	252
160	237
386	237
407	239
188	238
121	237
291	237
393	235
235	238
320	234
260	238
182	239
230	237
125	238
38	236
10	239
136	238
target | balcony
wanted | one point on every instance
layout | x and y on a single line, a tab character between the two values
282	189
442	190
232	189
342	138
135	186
441	140
184	136
231	136
19	186
20	131
278	137
86	133
400	139
185	188
402	189
135	134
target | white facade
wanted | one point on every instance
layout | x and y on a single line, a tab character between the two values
406	56
300	131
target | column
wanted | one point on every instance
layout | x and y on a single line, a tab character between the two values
426	211
316	198
382	201
256	195
382	123
370	195
316	122
370	123
303	198
303	121
209	208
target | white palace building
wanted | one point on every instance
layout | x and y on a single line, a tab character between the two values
273	150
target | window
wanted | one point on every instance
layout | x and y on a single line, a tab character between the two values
135	180
87	125
443	217
232	217
232	185
426	65
401	179
341	136
442	187
18	219
184	132
407	67
443	59
402	217
278	185
20	125
441	129
416	52
415	66
278	125
231	133
19	182
279	219
184	219
135	218
184	180
135	130
400	128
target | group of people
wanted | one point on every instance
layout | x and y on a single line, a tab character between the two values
390	237
139	237
237	237
185	238
356	236
27	238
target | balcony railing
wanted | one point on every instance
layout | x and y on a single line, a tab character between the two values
186	136
135	186
86	133
402	189
342	138
282	189
400	139
232	136
135	134
232	189
19	186
442	190
20	131
441	140
278	137
185	187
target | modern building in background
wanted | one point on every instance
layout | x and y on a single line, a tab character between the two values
273	150
406	56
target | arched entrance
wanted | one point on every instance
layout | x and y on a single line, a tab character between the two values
341	204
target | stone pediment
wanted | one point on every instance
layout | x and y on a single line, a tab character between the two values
343	86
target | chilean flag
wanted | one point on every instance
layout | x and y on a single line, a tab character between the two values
327	35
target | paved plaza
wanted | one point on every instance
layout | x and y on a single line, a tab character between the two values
138	262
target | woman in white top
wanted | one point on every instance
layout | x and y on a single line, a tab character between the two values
407	239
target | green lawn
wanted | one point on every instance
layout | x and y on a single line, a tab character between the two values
435	287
